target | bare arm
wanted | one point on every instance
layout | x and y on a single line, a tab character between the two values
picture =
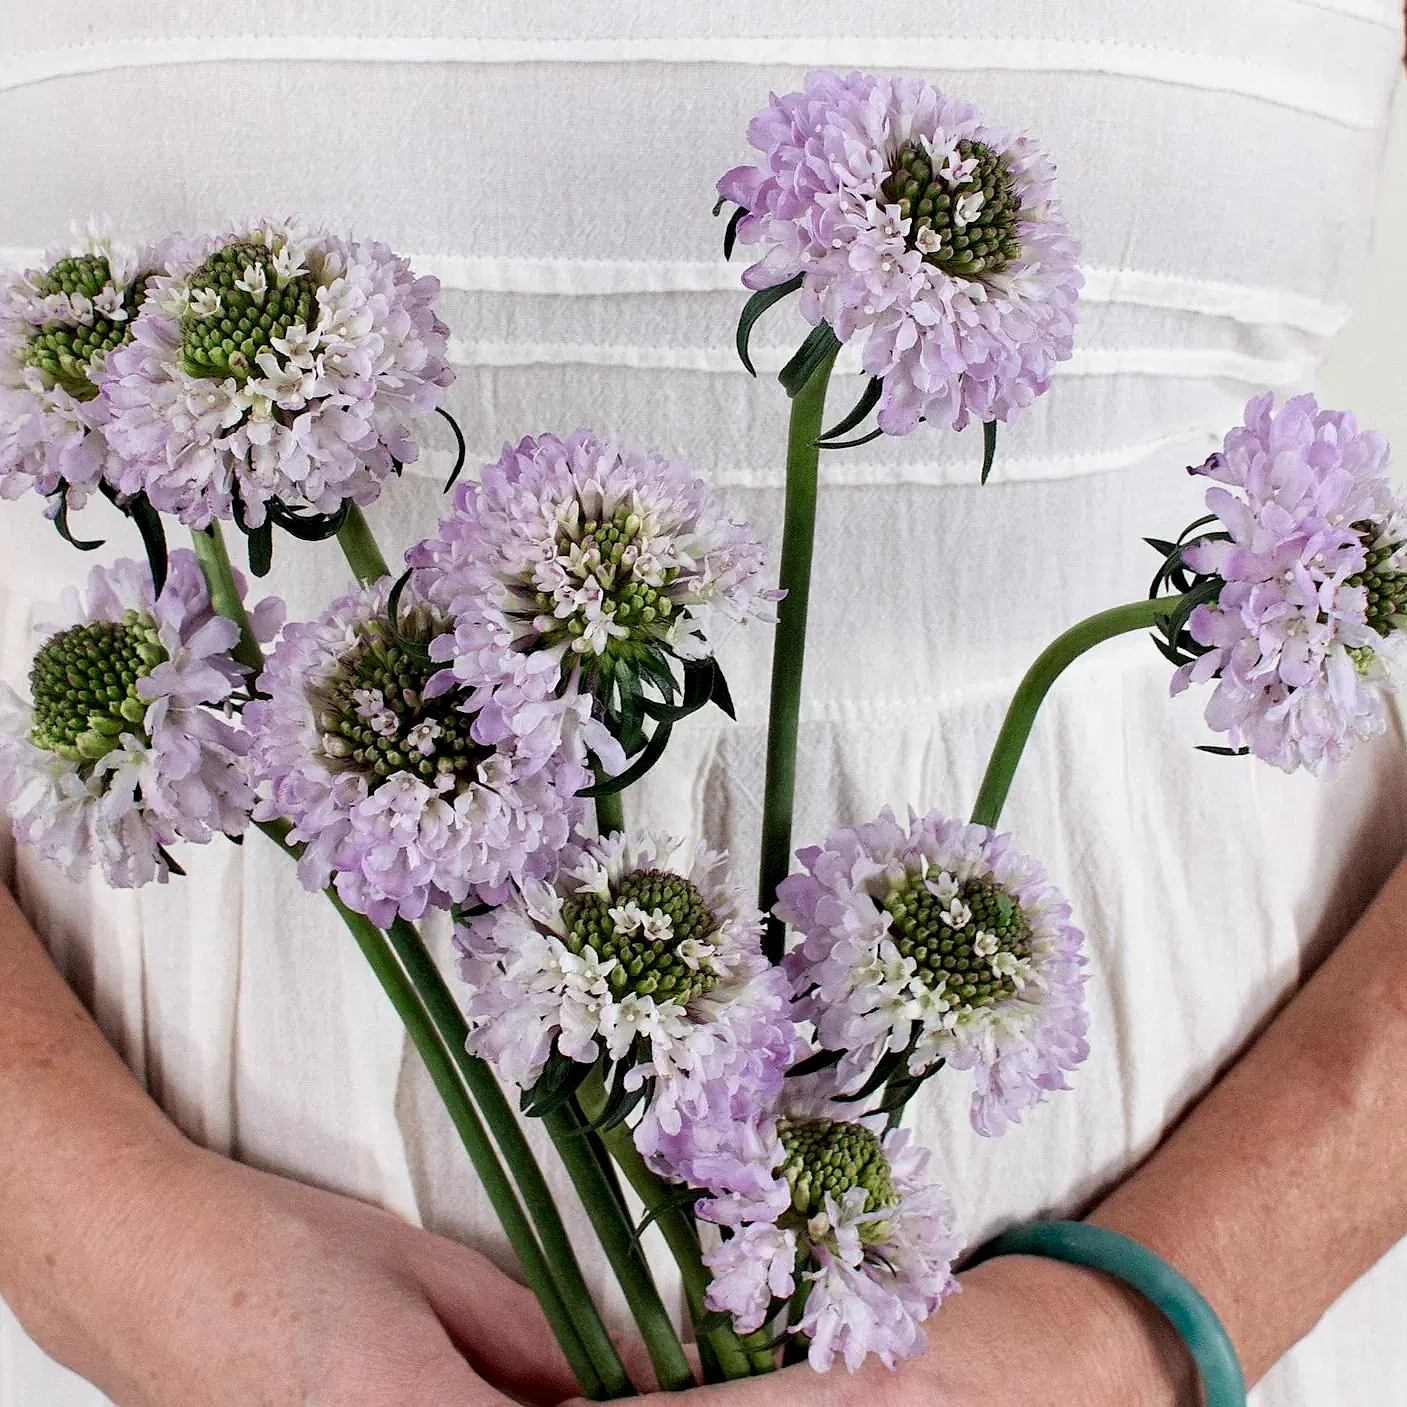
1282	1186
171	1277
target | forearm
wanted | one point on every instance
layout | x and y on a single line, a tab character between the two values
1289	1179
83	1149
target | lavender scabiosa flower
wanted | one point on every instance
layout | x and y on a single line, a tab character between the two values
409	792
607	560
941	942
852	1213
121	751
641	953
274	363
58	325
1309	571
908	218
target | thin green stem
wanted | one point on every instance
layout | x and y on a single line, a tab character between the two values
577	1150
789	648
381	957
503	1123
209	546
677	1227
360	549
1049	665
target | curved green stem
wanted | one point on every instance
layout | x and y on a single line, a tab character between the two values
610	813
579	1153
209	546
537	1272
359	548
503	1123
789	648
677	1227
1031	692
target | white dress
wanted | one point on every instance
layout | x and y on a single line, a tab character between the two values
554	166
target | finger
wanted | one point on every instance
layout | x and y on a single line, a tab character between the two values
495	1322
872	1386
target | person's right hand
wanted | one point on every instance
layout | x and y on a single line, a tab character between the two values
220	1286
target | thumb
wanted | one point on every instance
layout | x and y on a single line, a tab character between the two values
784	1388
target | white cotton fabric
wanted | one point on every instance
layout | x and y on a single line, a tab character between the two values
554	165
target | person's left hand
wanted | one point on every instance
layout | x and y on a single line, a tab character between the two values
1024	1333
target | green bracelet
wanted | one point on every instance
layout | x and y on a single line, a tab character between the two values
1079	1243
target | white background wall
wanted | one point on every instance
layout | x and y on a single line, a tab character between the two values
1367	369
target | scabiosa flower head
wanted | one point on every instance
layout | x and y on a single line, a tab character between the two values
604	559
409	794
1313	566
912	220
274	363
119	754
58	325
641	953
853	1213
940	941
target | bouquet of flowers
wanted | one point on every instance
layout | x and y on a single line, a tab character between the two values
456	733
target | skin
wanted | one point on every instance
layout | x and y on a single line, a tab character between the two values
174	1278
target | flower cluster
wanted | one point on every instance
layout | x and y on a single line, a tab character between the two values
940	942
640	953
274	364
58	326
123	749
847	1211
409	790
607	560
1313	566
910	219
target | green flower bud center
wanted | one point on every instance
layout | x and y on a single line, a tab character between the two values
228	340
84	686
649	963
957	958
64	354
1385	585
375	720
958	235
606	552
821	1156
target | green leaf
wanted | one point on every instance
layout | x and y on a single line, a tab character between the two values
261	548
652	753
721	695
730	235
416	649
814	1064
698	691
560	1079
989	447
459	441
887	1066
677	1198
170	862
754	308
148	522
867	402
1161	546
850	444
820	344
1224	751
306	526
60	521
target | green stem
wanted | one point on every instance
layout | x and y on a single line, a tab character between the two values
610	813
503	1123
593	1185
209	546
360	549
676	1226
1026	702
381	957
789	648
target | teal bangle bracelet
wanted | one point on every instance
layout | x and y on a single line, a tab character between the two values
1079	1243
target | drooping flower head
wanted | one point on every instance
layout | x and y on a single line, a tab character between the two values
633	952
910	219
851	1212
607	560
1309	574
274	363
940	941
123	749
408	793
58	325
